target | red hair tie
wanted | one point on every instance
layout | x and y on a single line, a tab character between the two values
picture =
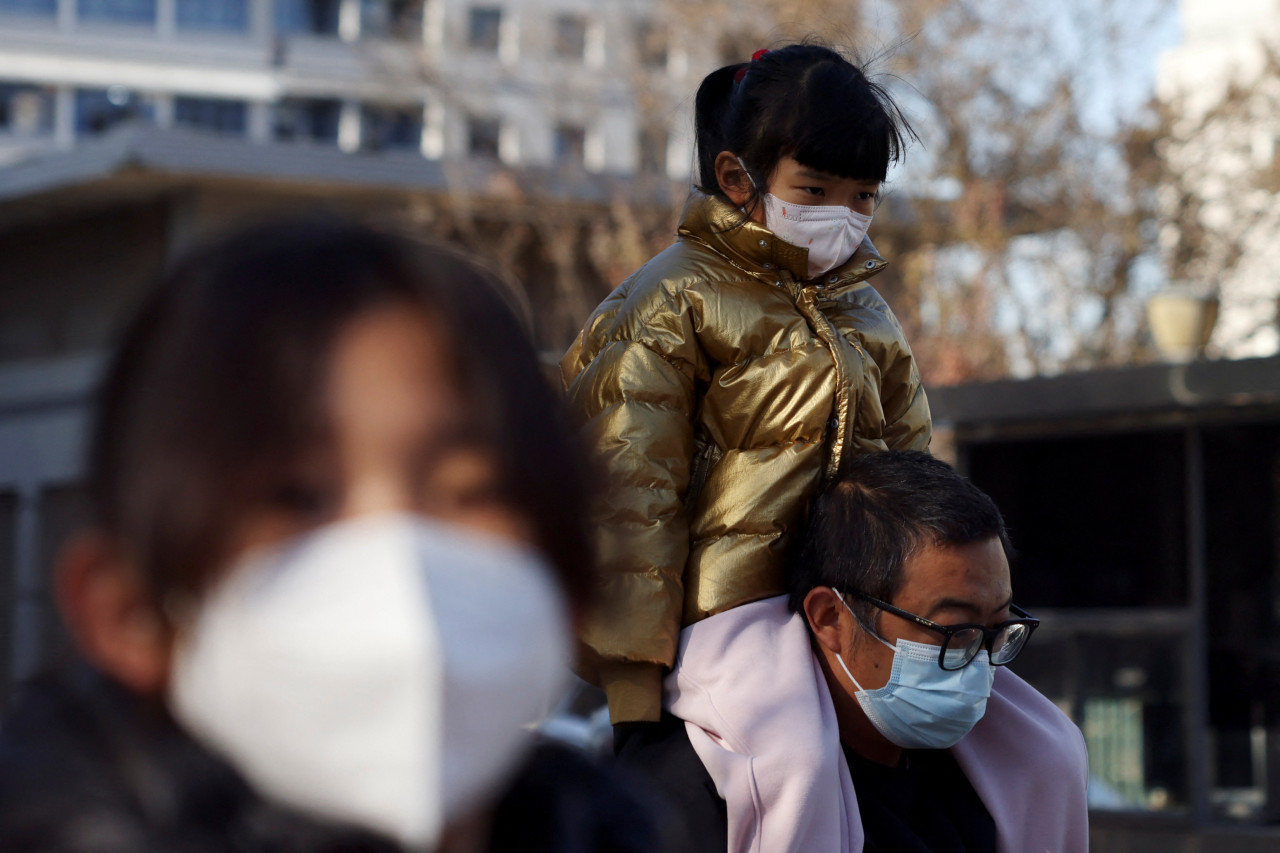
742	72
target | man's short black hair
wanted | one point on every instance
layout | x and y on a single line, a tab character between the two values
878	511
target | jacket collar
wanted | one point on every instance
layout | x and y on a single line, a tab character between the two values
755	249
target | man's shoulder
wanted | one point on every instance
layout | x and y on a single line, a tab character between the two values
1024	726
1012	693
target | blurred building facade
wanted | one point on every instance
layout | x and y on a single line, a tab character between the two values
130	129
1222	84
1144	507
525	82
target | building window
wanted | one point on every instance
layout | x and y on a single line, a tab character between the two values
651	44
98	110
391	128
307	119
484	31
652	158
399	19
484	137
117	11
230	16
26	110
569	145
309	17
570	38
35	8
215	115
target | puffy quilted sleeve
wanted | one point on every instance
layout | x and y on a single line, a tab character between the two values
908	424
631	378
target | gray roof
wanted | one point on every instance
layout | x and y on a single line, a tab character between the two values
1141	391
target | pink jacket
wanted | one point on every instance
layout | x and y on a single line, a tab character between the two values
759	715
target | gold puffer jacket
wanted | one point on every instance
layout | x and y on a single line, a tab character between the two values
718	388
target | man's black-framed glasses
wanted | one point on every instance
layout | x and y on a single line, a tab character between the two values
961	643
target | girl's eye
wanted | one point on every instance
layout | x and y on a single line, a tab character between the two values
814	191
868	196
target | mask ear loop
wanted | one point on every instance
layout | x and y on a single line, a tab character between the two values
864	627
752	180
755	188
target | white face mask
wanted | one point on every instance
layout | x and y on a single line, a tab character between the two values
381	671
831	232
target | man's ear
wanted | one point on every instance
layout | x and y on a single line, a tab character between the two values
822	609
734	181
108	609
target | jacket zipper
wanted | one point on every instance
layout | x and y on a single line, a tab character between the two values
807	302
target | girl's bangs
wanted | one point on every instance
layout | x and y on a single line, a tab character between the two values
846	125
854	143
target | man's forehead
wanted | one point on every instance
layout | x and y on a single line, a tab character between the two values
970	576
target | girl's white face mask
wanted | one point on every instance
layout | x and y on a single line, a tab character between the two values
831	232
382	671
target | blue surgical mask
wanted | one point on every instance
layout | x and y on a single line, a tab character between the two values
924	706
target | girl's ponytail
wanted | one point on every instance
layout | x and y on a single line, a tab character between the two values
710	107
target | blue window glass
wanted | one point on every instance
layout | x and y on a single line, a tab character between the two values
117	11
388	128
40	8
314	119
484	137
651	44
570	41
98	110
26	110
400	19
225	118
484	28
653	151
213	15
569	144
316	17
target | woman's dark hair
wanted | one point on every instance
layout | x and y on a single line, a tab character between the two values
215	395
802	101
881	508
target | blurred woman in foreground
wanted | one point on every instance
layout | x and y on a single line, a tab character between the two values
337	551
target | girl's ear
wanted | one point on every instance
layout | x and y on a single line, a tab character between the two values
108	609
822	609
734	181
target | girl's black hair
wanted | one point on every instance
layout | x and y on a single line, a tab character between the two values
215	395
804	101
